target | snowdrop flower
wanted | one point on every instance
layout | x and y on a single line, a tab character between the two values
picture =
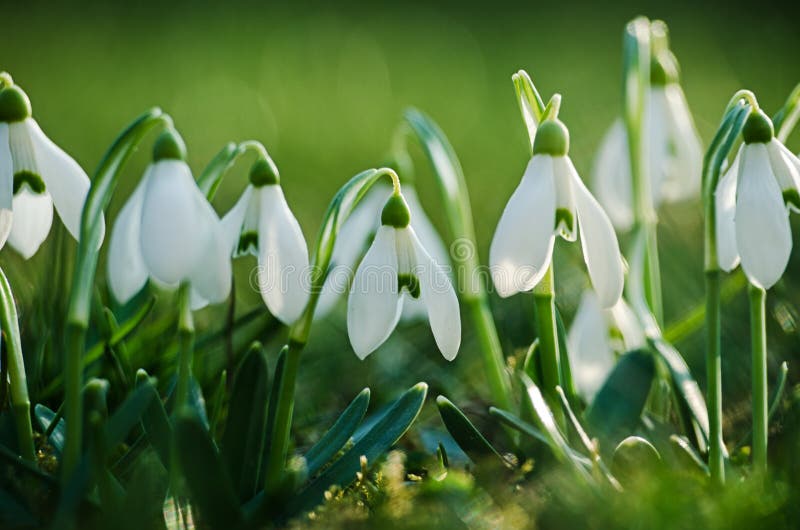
261	224
552	200
169	233
675	154
753	199
357	233
594	337
35	175
397	267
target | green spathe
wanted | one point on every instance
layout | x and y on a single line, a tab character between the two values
264	172
396	212
552	138
758	128
169	145
14	104
663	69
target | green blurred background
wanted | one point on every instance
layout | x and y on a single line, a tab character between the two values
323	86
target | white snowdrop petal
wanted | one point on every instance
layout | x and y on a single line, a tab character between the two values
127	273
565	201
628	325
374	303
522	245
599	244
284	278
786	168
611	177
439	297
414	309
683	178
590	353
33	216
211	274
725	200
66	181
763	234
233	221
6	184
172	241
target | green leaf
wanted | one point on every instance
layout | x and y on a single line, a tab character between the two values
271	409
129	414
211	177
155	422
617	408
339	434
466	435
45	417
519	424
686	390
243	439
386	432
208	482
564	364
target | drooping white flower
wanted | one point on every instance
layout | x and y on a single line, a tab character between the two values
261	224
594	337
357	233
753	199
397	267
674	151
169	233
552	200
35	175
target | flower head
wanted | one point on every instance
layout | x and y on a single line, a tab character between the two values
674	151
261	224
35	175
397	267
168	232
595	335
552	200
753	199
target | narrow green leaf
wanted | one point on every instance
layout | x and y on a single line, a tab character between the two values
519	424
155	422
129	414
243	440
208	482
617	408
45	417
375	443
686	453
272	408
339	434
466	435
564	365
211	177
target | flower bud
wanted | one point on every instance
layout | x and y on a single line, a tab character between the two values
396	212
169	145
14	104
552	138
758	128
264	173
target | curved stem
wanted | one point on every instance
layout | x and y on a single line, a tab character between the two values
716	457
544	300
758	339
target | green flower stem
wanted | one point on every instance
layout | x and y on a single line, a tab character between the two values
340	208
18	386
492	351
637	88
716	458
758	340
86	258
544	301
786	119
185	346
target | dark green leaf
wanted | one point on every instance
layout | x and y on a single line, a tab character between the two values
155	422
129	414
338	435
45	417
464	432
243	440
617	408
209	484
375	443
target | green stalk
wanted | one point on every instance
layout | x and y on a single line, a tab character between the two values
492	351
18	386
716	458
185	348
83	275
544	301
758	340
